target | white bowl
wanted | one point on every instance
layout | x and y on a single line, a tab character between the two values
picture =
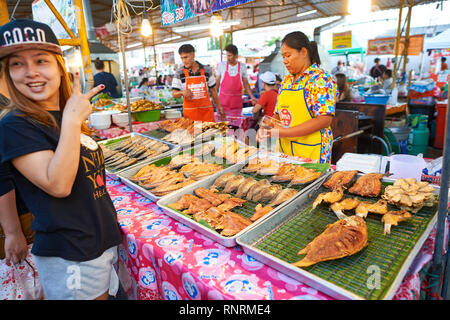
120	119
101	126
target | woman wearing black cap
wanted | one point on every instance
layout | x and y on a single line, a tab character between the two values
58	169
305	104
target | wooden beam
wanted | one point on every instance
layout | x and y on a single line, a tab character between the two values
4	17
315	8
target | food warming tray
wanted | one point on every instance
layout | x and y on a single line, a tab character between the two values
277	240
113	174
246	210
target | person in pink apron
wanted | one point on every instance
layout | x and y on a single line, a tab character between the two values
232	76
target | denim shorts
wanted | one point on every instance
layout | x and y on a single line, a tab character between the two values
71	280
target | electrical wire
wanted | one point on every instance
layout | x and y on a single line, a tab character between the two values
14	10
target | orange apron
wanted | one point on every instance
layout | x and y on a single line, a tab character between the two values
199	107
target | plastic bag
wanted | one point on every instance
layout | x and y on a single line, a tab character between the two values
20	282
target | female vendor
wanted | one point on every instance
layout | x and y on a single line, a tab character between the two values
306	103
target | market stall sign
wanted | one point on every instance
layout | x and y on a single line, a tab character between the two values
342	40
441	78
174	11
387	46
168	57
66	8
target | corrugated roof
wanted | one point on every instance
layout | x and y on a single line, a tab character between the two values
259	13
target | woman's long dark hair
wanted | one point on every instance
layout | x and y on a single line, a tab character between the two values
144	80
298	40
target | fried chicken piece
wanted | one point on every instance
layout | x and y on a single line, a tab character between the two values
227	150
198	205
340	179
183	202
368	185
233	184
245	187
364	208
392	218
340	239
256	188
269	168
211	195
267	194
329	197
231	203
283	196
260	212
181	160
285	173
256	164
222	180
346	204
304	175
162	191
234	223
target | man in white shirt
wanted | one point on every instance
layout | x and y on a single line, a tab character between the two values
231	77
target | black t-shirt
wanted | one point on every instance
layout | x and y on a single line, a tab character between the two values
110	83
79	227
7	184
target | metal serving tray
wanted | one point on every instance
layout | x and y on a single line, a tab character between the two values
246	210
374	273
159	134
113	174
125	175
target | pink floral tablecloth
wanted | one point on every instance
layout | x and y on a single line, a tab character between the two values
120	131
161	258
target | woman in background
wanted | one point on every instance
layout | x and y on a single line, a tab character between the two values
345	93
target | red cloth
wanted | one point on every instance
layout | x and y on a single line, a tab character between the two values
268	101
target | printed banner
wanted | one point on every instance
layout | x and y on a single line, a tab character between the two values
387	46
168	57
342	40
42	13
174	11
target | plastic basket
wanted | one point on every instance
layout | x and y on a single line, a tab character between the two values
376	99
431	179
148	116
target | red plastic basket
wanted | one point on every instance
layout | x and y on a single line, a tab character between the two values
432	179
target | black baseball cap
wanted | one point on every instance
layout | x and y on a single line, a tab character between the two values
23	34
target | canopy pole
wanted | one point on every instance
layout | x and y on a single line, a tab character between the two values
122	49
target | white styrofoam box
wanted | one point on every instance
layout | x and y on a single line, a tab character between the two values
362	162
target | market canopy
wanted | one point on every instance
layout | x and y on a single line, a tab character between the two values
441	41
255	14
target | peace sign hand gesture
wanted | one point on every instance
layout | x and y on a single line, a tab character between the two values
78	107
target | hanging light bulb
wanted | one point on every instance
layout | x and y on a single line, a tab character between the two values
215	26
359	7
146	28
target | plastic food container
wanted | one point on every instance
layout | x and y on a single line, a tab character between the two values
120	119
376	99
172	114
148	116
405	166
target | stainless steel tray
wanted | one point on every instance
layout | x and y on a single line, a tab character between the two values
125	175
214	235
114	174
349	270
159	134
